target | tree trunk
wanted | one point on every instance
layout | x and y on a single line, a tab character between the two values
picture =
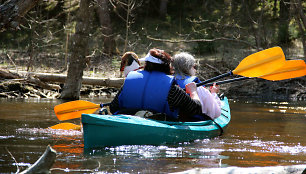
163	8
283	34
79	50
11	12
301	21
275	8
109	44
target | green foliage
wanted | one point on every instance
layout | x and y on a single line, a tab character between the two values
248	23
294	31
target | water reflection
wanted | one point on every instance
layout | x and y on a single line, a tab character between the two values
147	158
260	134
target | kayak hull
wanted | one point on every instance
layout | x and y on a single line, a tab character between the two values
115	130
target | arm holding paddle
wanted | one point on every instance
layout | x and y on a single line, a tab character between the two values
211	103
191	89
214	89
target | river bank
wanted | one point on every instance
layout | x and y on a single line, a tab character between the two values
15	84
20	81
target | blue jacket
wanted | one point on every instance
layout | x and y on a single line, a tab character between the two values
184	81
145	90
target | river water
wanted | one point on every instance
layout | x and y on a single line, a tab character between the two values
260	134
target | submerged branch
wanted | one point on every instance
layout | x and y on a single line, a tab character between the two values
44	163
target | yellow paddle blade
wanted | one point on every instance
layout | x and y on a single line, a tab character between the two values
291	69
66	126
74	109
261	63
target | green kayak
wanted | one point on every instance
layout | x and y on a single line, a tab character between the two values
115	130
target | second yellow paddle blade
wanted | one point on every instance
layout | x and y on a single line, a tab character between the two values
261	63
66	126
291	69
74	109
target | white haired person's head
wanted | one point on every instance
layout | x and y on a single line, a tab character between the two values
184	64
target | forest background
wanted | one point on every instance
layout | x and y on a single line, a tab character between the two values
88	37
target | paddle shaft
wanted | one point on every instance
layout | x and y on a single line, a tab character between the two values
222	82
215	78
227	81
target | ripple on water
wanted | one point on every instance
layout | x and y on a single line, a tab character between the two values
6	137
49	131
265	146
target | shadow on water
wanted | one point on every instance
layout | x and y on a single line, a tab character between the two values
260	134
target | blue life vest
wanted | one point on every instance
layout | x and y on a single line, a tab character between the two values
184	81
145	90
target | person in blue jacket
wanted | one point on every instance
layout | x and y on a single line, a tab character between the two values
185	67
155	89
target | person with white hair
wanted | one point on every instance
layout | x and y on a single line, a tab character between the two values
185	68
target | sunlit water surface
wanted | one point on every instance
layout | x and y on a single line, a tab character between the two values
260	134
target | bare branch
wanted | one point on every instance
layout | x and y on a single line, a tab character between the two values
214	68
201	40
13	159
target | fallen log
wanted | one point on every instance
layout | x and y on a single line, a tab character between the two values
44	163
6	74
60	78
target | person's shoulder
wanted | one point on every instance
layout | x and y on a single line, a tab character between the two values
171	77
132	72
179	77
195	79
135	74
162	74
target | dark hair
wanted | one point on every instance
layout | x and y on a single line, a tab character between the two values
127	59
162	55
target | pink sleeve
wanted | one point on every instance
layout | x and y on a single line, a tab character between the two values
211	104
